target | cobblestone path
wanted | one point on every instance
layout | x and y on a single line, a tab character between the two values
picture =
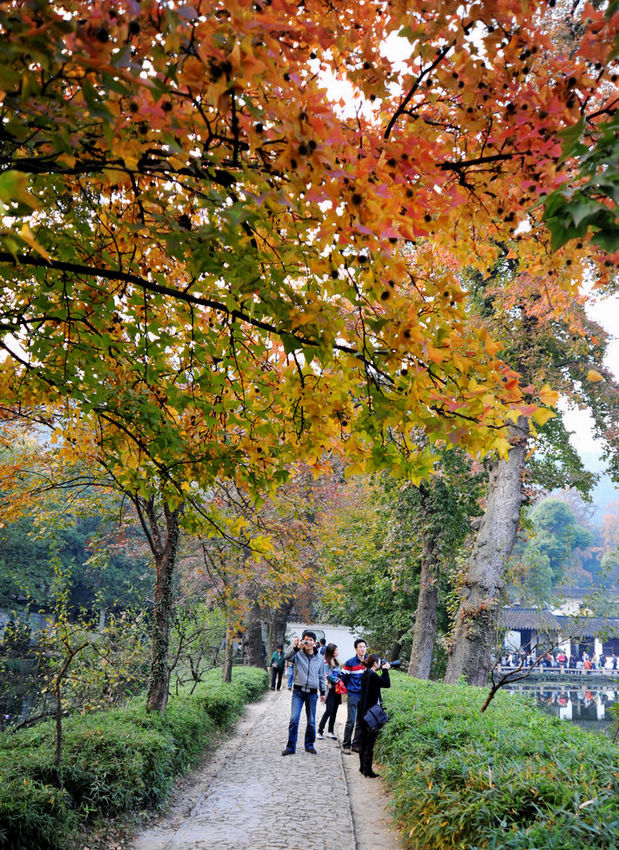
250	797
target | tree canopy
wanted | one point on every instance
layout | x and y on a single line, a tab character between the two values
212	266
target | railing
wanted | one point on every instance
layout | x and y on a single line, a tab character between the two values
571	672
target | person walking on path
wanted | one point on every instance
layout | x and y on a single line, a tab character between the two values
278	661
371	685
334	699
352	671
309	679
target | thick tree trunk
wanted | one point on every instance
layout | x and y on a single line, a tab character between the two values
255	652
164	547
476	622
277	626
424	634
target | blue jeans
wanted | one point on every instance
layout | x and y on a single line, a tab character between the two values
290	676
353	703
300	699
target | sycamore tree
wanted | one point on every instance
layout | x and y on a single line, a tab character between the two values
212	265
562	347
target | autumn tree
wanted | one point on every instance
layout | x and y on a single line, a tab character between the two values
545	344
210	268
389	553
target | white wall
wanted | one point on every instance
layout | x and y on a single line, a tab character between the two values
343	637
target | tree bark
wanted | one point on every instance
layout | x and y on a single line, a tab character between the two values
277	626
228	656
164	546
255	653
424	634
476	622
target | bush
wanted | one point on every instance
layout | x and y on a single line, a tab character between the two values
111	761
510	778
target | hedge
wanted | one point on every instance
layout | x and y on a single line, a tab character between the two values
511	778
112	761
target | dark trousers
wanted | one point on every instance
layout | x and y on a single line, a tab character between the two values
367	739
276	673
333	703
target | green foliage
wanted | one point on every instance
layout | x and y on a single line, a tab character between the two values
508	778
16	636
590	204
375	551
544	559
114	577
555	464
197	632
112	761
34	815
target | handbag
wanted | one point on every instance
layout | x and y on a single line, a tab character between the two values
375	718
340	687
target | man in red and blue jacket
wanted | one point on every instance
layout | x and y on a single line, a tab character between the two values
351	674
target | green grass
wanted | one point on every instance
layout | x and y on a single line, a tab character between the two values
112	761
510	778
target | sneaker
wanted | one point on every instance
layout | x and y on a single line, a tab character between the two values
287	752
331	735
311	750
320	736
346	750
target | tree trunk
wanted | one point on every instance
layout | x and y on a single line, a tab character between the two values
255	652
277	626
424	634
476	621
228	656
164	547
395	649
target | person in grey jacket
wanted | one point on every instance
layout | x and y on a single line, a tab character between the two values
309	680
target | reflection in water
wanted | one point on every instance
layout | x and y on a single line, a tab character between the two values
19	690
585	706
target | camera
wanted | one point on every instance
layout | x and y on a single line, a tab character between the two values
392	664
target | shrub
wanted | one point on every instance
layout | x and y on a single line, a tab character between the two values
508	778
34	815
111	760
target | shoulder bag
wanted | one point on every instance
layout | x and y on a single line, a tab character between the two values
375	717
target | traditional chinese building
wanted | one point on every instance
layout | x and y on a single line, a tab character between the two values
530	628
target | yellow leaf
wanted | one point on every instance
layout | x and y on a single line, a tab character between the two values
542	415
502	446
548	396
594	376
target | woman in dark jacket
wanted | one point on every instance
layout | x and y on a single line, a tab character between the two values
334	700
371	684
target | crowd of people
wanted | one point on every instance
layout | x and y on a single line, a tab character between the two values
562	661
315	674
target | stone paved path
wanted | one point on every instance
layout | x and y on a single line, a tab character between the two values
249	797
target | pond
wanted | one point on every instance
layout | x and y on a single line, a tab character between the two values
580	703
19	690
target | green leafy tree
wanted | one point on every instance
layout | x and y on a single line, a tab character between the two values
545	558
